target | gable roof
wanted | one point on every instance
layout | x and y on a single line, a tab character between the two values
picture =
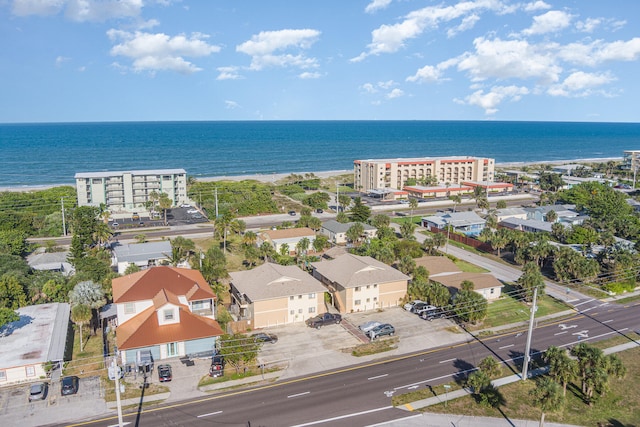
350	271
480	280
338	227
145	284
456	219
271	281
437	265
143	330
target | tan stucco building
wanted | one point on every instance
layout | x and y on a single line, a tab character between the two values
361	283
393	173
289	236
274	294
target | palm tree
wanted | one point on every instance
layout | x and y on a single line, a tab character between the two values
320	242
561	366
547	396
407	229
164	203
102	233
303	245
413	204
355	232
456	199
266	250
284	249
250	238
81	315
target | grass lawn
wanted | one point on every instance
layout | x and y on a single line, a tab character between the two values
89	361
508	310
467	267
375	347
131	391
617	408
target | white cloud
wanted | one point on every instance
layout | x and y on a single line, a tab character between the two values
61	60
510	59
580	83
369	88
387	85
395	93
598	51
308	75
467	23
228	73
379	86
536	5
391	38
262	47
154	52
231	105
550	22
377	5
588	25
489	101
80	10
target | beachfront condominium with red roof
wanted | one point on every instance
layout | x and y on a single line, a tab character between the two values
167	310
376	174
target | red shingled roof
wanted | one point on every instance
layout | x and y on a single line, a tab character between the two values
145	284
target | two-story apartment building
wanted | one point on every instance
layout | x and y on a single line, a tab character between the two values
128	191
167	310
393	173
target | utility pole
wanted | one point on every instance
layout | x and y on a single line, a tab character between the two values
114	373
525	362
337	194
64	227
216	193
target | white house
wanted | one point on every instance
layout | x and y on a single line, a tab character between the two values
287	236
144	255
337	231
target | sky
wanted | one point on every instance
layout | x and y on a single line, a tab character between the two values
166	60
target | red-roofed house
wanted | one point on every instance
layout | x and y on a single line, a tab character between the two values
167	310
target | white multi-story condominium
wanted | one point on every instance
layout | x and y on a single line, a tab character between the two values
631	159
393	173
130	190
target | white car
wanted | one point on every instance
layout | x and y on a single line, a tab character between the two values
366	327
193	211
185	205
409	306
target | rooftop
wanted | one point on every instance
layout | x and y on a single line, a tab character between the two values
270	281
107	174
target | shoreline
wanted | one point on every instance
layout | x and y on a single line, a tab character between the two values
273	177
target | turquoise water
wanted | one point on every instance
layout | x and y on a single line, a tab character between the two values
43	154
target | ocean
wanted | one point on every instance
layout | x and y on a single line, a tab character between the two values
51	154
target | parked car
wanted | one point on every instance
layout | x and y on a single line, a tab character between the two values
319	210
144	361
366	327
38	391
324	319
217	366
135	217
185	205
69	385
264	337
197	216
164	373
114	224
422	307
409	306
381	330
193	211
292	213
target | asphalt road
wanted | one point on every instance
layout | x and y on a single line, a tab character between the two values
361	395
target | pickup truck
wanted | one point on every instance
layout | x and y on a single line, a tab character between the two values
324	319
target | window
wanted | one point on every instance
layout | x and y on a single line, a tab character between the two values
491	290
375	286
312	295
368	299
30	370
168	314
375	299
299	296
3	375
129	308
300	311
291	298
357	302
357	289
368	286
312	309
292	312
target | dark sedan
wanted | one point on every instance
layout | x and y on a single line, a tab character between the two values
69	385
164	373
381	330
264	337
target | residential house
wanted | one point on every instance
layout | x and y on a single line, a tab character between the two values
144	255
167	310
337	231
528	225
274	294
26	345
361	283
287	236
466	222
505	213
444	271
51	261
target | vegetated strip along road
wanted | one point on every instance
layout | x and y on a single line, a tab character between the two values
361	395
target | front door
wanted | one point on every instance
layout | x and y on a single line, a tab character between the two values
172	349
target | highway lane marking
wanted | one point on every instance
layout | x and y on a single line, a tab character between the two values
586	309
584	302
506	346
379	376
209	414
607	321
341	417
560	333
448	360
594	337
298	395
116	425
